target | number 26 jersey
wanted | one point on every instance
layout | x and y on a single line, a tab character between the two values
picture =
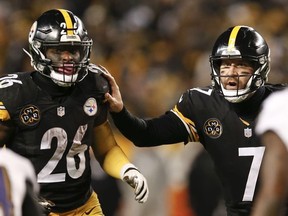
55	132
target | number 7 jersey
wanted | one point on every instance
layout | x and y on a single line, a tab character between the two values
226	130
55	133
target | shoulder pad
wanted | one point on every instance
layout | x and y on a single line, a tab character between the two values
103	84
95	69
96	82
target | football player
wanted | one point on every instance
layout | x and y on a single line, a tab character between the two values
18	186
220	116
271	126
54	114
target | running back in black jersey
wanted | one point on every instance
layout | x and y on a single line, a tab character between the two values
226	130
61	127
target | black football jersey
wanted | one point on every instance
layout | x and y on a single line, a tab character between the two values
229	138
56	134
226	130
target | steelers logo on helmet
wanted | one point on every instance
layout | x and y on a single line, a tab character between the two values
32	32
90	106
30	115
213	128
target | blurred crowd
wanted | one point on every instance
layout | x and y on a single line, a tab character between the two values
156	49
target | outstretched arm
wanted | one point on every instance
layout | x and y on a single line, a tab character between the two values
166	129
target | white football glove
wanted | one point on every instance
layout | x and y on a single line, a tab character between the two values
136	180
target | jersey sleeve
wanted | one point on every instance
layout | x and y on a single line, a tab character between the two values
182	110
4	114
274	116
165	129
102	114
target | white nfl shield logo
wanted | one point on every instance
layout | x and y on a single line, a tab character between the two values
61	111
247	132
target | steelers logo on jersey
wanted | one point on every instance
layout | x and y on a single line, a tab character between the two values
213	128
90	107
30	115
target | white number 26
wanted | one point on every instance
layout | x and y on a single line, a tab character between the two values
9	80
77	148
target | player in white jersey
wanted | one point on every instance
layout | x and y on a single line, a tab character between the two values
18	187
272	126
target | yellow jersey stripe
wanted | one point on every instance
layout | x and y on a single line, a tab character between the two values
68	21
193	137
2	106
244	122
4	115
188	121
232	38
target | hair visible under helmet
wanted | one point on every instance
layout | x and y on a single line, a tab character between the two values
240	42
59	28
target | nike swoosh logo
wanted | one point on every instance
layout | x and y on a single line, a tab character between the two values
89	211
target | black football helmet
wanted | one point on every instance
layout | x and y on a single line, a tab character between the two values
241	42
60	29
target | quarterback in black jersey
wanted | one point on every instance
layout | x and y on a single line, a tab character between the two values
220	116
54	114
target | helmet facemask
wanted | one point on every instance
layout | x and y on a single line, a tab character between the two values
240	43
60	31
239	94
64	73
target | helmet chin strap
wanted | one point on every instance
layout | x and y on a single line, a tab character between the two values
62	84
62	79
236	99
239	95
